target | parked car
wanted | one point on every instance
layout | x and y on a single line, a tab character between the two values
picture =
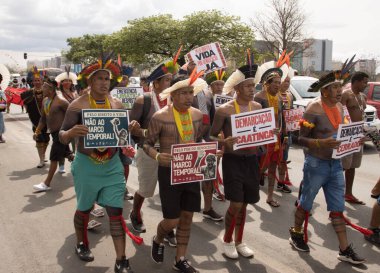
299	86
373	95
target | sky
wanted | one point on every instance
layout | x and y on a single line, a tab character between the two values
41	27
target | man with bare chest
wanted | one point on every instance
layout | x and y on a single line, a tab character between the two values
240	167
317	134
98	172
269	97
53	112
355	101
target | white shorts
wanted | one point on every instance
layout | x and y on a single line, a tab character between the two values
147	169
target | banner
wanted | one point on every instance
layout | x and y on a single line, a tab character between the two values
350	135
193	162
14	95
292	118
253	128
208	58
106	128
221	99
127	95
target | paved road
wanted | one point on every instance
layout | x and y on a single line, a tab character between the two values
36	230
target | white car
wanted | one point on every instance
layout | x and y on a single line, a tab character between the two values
299	86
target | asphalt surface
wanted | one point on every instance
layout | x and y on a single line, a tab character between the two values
37	234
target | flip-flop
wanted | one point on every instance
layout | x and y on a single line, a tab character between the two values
352	199
98	212
93	224
273	203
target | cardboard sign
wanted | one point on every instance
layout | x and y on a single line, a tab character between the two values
127	95
253	128
350	135
292	118
208	58
221	99
193	162
106	128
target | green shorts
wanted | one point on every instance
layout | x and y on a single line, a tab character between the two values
100	183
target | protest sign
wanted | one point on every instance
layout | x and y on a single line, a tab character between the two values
292	118
208	58
221	99
350	135
253	128
106	128
127	95
193	162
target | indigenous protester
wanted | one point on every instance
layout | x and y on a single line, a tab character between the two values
2	109
318	131
355	101
240	167
205	103
67	81
216	80
175	124
144	84
271	74
140	115
53	112
126	160
97	172
33	101
374	224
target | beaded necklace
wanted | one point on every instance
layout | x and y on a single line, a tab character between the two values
184	125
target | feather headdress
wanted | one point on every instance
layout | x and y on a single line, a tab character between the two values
104	63
194	80
217	75
341	76
273	69
167	67
36	73
246	72
67	75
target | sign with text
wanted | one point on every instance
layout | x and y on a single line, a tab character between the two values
253	128
208	58
350	135
193	162
127	95
106	128
221	99
292	119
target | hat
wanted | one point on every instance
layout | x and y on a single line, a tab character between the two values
104	63
341	76
217	75
193	80
272	69
241	74
67	75
167	67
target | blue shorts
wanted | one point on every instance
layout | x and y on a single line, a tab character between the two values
326	174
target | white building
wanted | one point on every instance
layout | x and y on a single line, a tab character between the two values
318	56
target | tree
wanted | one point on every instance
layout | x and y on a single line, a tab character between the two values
283	27
87	48
150	40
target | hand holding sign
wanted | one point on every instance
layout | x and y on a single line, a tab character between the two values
329	143
78	130
230	141
164	158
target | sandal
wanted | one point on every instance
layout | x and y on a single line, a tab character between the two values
352	199
273	203
98	212
93	224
